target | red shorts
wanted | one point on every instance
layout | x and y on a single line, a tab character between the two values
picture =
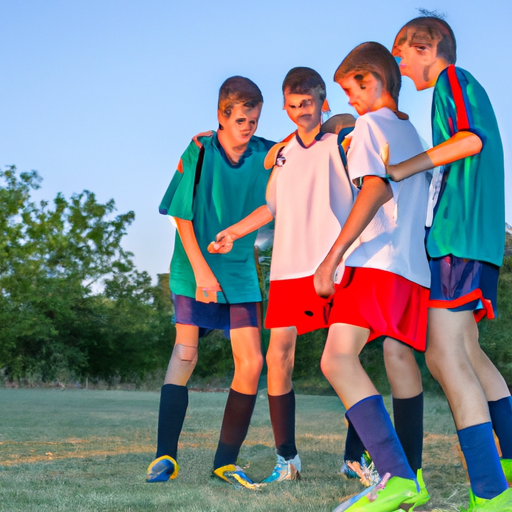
385	303
294	302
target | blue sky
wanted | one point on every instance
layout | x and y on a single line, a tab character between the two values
105	95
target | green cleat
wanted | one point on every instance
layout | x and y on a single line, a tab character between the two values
234	475
162	469
506	465
424	495
394	495
501	503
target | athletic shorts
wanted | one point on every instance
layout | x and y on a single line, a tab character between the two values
385	303
212	316
294	303
464	285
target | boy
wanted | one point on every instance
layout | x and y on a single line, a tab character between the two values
384	288
310	196
220	179
465	243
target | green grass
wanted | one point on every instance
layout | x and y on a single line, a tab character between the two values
84	450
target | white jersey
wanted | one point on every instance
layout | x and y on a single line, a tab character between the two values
395	238
310	196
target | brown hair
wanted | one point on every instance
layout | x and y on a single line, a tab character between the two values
439	31
372	58
302	80
238	89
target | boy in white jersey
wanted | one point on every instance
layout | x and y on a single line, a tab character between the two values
384	289
310	196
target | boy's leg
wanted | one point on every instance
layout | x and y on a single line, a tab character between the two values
342	368
174	403
406	388
340	364
281	400
450	333
497	395
246	345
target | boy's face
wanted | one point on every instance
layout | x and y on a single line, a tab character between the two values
305	110
417	50
364	92
241	125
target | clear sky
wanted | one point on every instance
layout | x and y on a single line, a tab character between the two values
105	95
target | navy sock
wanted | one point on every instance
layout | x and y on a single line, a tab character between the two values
173	407
282	416
482	460
237	416
408	416
354	447
501	417
373	424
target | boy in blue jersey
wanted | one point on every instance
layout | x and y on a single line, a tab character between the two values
465	243
220	179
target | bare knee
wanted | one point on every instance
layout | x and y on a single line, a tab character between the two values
336	364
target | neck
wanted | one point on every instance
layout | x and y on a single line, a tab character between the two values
308	136
233	152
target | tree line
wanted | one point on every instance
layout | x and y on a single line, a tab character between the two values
73	305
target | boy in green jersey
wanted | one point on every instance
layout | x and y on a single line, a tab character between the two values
220	179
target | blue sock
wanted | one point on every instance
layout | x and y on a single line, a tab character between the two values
408	416
282	417
237	416
373	424
173	407
501	417
482	459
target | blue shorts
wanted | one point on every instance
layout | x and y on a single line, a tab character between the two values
460	284
208	317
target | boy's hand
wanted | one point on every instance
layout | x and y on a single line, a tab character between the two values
223	243
324	280
207	288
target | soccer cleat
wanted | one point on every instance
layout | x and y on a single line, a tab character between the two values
506	465
501	503
162	469
234	475
364	470
424	495
389	495
285	470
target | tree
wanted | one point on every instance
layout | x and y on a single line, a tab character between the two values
71	299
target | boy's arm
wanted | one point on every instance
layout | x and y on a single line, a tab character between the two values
206	283
253	221
374	193
460	145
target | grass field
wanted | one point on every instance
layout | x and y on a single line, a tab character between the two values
84	450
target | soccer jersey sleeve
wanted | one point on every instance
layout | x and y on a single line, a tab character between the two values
364	152
452	105
178	198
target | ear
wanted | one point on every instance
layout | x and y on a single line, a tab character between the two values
220	117
325	106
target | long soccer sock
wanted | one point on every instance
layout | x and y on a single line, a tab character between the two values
354	447
237	416
373	424
501	417
408	416
282	416
482	460
173	407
